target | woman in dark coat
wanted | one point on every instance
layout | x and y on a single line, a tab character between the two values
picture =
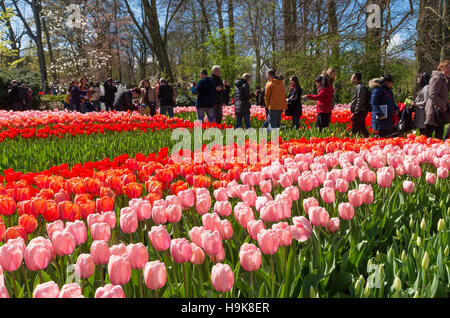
110	93
295	102
242	101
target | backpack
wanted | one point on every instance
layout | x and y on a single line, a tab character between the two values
369	98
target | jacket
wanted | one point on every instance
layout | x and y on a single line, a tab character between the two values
360	99
218	96
165	95
124	102
438	97
17	96
275	94
151	95
382	95
110	93
295	103
226	93
421	102
242	97
205	90
75	95
324	99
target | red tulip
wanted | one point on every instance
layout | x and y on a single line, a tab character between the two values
28	222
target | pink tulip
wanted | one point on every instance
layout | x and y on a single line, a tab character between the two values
53	227
100	232
45	242
143	210
220	257
221	194
384	179
260	203
181	250
110	291
118	250
109	218
119	270
268	241
187	198
442	173
254	227
138	255
284	233
333	225
93	219
430	178
367	176
265	186
71	291
349	174
223	208
318	216
173	199
79	231
250	257
328	195
11	257
129	222
309	203
198	256
46	290
355	198
155	275
329	184
203	205
249	197
3	292
100	252
346	211
195	235
366	193
341	185
159	238
272	212
85	266
225	229
293	193
243	213
408	186
37	256
64	243
18	242
222	277
305	182
285	180
211	242
302	229
173	213
211	221
159	215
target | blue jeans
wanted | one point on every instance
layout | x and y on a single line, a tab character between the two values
209	112
239	118
266	123
166	109
274	119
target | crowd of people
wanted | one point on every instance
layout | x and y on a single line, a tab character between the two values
20	96
431	106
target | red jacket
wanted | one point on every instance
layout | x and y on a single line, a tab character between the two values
324	99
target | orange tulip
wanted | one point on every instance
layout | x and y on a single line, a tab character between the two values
92	186
69	211
7	206
87	209
42	181
51	213
164	175
82	198
2	229
23	194
105	204
154	187
28	222
15	232
38	206
46	194
107	192
133	190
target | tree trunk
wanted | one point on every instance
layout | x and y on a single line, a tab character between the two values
221	27
50	49
333	29
373	46
230	6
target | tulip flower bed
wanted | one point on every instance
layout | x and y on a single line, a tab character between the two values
331	218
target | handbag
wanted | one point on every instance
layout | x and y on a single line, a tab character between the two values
442	118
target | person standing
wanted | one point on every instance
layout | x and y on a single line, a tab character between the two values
383	105
148	97
359	106
295	101
331	75
226	93
110	89
86	105
218	94
95	97
420	102
438	100
242	97
124	102
76	94
17	96
275	99
165	96
205	89
324	102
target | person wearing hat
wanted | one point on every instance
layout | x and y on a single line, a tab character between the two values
383	105
110	89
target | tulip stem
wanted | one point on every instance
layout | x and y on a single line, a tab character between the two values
251	284
185	281
26	281
40	277
140	284
16	295
272	294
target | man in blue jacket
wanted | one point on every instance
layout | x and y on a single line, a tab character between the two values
383	105
205	100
